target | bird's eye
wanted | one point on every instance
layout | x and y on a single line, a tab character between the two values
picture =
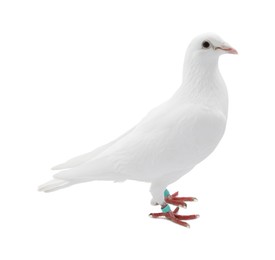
206	44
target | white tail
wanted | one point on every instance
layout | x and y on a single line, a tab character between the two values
53	185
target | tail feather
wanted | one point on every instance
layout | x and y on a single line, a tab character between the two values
53	185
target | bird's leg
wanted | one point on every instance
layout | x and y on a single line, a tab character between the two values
173	216
175	200
166	198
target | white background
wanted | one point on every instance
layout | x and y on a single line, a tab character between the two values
76	74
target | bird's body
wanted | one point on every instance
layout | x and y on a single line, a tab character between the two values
172	139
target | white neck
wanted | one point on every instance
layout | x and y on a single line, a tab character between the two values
203	84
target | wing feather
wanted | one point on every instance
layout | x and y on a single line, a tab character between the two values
76	161
159	145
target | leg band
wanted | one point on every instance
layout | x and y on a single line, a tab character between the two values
166	193
166	209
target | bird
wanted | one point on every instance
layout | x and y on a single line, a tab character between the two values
169	141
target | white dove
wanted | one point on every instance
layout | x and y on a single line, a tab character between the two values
170	140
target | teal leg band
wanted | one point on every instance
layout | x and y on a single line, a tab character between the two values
166	193
166	209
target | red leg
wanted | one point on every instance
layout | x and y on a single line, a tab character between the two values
177	201
187	217
176	218
171	216
162	214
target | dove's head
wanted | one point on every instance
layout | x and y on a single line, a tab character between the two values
207	48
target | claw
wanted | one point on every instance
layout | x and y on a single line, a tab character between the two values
186	198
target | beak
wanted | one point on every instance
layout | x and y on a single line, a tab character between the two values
227	48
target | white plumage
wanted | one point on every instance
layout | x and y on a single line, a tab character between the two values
173	137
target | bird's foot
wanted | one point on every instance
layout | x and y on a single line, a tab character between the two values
173	216
175	200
